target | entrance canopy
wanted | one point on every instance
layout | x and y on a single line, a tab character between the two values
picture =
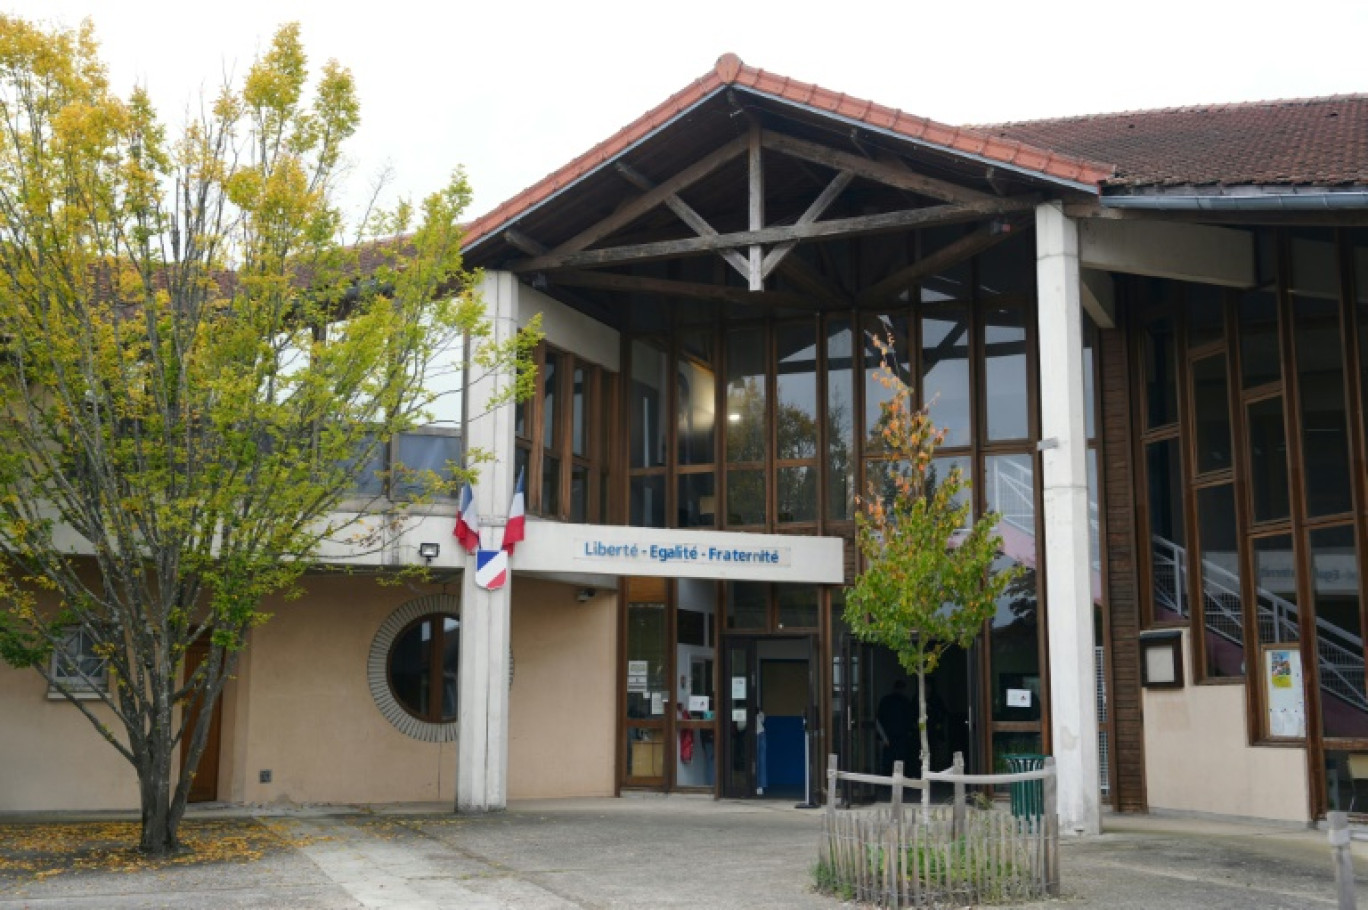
721	192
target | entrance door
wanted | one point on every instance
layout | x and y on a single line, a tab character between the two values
768	703
204	785
647	718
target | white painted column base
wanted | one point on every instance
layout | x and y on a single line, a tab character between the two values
1064	477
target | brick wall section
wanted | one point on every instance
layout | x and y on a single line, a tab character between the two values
1123	596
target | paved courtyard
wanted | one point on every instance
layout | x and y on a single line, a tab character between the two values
660	852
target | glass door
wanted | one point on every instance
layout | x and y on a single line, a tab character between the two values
647	726
740	704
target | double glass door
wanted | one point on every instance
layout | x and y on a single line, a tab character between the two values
669	722
769	718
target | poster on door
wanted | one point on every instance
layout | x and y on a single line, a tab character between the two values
1283	691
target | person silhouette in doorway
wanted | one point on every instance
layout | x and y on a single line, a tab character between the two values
896	719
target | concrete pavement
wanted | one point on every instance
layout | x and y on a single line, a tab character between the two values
677	851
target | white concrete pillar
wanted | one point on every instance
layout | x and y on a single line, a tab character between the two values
482	742
1064	475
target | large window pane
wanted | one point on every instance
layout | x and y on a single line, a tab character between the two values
1009	487
1168	558
1275	572
1205	311
1089	378
1014	647
550	379
1161	374
421	459
1211	414
797	606
1009	267
796	391
697	501
796	490
1220	581
747	605
697	418
551	485
840	417
945	372
646	502
1006	387
881	328
579	493
953	283
746	395
647	643
1268	460
1339	633
1324	415
1258	319
579	411
745	497
646	406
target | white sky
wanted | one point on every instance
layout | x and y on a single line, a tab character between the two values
513	90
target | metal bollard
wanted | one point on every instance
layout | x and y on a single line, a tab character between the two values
1344	862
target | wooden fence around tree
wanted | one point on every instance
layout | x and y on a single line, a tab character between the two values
958	853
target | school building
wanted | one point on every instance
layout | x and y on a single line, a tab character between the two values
1146	335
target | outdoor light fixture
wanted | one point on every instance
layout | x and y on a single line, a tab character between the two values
429	551
583	595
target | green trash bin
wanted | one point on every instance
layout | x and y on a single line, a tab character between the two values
1028	796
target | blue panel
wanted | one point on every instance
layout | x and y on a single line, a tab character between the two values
785	764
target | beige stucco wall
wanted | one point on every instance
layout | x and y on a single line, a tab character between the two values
561	709
51	757
304	708
1197	757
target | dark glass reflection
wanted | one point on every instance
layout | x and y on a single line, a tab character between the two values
840	417
579	414
945	372
1211	414
747	605
952	283
796	391
1339	632
697	501
1014	647
1268	460
646	502
579	493
410	662
696	413
1161	374
1324	415
550	496
797	606
1168	559
423	458
796	494
746	395
1009	267
550	381
1275	575
646	406
1205	312
1258	321
745	497
1220	581
1007	390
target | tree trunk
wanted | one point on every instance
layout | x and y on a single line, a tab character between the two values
925	742
161	813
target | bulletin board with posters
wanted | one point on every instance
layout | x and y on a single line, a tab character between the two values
1284	695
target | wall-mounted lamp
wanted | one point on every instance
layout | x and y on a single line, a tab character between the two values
583	595
429	551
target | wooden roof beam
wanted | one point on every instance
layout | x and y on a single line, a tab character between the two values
694	290
929	216
986	237
894	174
687	214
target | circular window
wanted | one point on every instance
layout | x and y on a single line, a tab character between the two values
414	667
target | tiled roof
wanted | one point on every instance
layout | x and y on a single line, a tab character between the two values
729	70
1308	142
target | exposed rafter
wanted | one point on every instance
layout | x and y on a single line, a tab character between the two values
891	173
928	216
986	237
687	214
721	293
814	211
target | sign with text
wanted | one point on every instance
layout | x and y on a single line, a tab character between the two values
689	553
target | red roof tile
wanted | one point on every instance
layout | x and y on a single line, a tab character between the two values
1307	141
729	70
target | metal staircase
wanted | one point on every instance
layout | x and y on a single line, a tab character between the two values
1339	653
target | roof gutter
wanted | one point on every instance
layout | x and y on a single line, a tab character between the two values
1253	202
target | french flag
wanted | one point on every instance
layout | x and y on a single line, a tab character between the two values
517	516
467	531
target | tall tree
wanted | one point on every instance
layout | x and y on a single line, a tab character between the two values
927	583
197	364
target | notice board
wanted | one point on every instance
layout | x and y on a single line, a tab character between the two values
1283	691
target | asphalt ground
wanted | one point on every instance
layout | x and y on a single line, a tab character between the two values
635	852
